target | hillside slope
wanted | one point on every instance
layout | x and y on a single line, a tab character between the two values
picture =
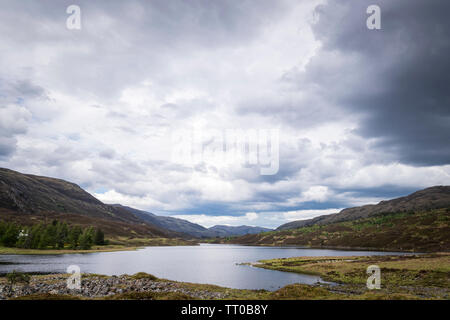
170	223
423	231
417	222
426	199
227	231
29	199
192	229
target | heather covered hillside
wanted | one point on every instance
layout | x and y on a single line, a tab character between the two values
418	222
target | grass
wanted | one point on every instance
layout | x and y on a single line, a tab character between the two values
229	293
150	296
412	276
47	296
143	275
108	248
429	269
116	244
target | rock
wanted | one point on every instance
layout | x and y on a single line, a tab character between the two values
99	287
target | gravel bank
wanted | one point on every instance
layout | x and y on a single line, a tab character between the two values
93	286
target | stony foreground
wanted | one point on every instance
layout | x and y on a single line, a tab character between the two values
95	286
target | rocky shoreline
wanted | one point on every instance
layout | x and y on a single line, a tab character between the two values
97	286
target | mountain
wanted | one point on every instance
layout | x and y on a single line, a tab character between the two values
227	231
418	222
430	198
421	231
28	199
192	229
170	223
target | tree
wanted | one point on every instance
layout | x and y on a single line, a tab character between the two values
99	237
3	226
16	276
35	235
74	235
86	239
10	235
62	231
48	237
24	238
55	235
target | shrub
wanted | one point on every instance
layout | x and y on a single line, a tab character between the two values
143	275
16	277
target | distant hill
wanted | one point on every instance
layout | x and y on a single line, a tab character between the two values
418	222
28	199
422	231
226	231
192	229
170	223
430	198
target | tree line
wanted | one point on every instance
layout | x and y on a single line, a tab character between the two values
56	235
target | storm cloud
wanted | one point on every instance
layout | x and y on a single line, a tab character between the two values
396	78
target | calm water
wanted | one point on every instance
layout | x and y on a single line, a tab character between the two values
207	263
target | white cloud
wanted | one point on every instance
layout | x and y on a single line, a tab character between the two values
209	221
307	214
113	197
251	216
264	219
316	193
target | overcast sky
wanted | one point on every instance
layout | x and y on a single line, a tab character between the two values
363	115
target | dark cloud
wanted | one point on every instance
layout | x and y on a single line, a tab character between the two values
14	114
25	88
107	153
7	146
18	91
396	78
387	191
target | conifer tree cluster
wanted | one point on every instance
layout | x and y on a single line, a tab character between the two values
56	235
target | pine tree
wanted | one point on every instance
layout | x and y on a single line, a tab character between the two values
62	232
86	239
50	231
99	238
43	240
35	235
74	235
2	229
10	235
55	235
